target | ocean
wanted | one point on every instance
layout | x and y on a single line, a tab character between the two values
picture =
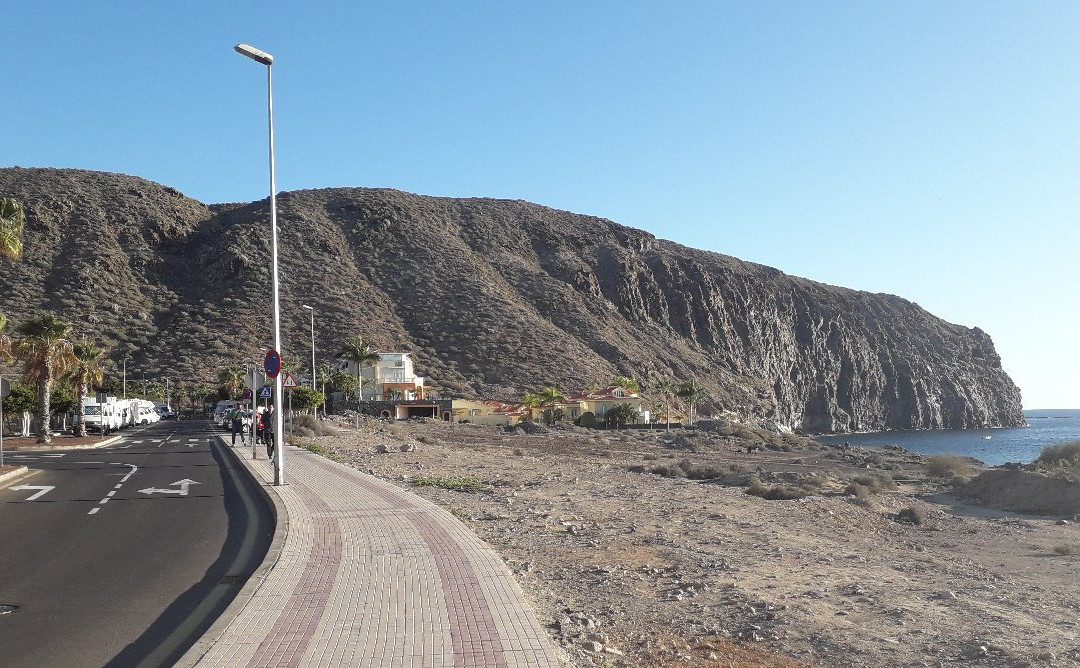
993	446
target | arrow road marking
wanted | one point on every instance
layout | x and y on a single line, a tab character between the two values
184	484
44	489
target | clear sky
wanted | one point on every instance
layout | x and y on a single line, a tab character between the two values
924	149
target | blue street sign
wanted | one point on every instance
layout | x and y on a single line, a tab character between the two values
247	394
272	363
264	392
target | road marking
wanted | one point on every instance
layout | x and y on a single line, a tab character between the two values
43	490
130	473
184	484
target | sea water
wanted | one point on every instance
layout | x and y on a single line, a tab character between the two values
992	446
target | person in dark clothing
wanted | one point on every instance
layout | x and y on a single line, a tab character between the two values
268	430
237	416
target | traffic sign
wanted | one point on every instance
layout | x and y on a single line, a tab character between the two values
254	378
264	392
246	395
272	363
289	380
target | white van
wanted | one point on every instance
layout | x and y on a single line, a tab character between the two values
144	411
102	418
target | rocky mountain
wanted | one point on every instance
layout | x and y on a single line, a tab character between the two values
492	298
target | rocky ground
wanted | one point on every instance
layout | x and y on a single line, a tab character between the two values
629	563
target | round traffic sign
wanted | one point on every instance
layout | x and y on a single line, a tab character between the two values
247	394
272	363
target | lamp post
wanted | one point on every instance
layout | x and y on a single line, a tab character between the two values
266	59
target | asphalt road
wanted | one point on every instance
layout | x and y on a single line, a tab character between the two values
124	555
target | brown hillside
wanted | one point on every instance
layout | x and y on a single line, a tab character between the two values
492	297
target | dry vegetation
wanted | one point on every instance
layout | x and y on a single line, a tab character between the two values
645	549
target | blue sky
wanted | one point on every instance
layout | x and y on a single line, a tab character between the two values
922	149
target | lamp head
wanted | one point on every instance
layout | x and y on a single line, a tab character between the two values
255	54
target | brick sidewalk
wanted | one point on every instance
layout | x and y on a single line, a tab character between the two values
371	575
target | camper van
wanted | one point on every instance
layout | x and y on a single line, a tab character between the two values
102	418
144	411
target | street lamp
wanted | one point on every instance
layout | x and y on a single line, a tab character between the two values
312	309
268	60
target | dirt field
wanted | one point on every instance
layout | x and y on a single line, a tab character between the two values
628	567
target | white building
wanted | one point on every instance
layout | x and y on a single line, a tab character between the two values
392	377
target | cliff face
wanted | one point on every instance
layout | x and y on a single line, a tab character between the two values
492	297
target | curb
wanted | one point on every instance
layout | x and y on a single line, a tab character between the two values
53	446
255	582
4	477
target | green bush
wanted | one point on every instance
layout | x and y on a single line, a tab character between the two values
1060	456
470	484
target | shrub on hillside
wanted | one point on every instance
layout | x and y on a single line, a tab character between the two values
912	515
873	483
307	426
948	466
756	487
1060	456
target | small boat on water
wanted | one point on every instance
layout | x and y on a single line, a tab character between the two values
987	438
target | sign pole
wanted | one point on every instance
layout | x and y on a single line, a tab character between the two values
5	389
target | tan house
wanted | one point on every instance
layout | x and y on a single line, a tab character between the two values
600	401
490	412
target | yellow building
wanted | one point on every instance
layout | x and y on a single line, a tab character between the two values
600	401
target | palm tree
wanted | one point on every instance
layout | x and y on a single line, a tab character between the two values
692	393
531	400
360	351
549	396
87	370
12	219
232	379
196	394
46	354
5	341
669	391
626	382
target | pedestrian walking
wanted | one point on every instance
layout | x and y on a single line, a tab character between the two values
236	416
268	430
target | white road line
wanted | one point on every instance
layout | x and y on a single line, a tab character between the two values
115	487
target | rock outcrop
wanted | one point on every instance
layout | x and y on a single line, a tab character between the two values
492	297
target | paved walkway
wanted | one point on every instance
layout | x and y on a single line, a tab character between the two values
363	573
